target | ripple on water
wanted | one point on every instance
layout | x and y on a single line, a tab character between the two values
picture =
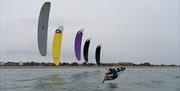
176	77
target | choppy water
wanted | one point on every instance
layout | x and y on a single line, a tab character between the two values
88	79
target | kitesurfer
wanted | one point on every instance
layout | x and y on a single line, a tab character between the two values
112	74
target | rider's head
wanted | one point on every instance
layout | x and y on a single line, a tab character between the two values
113	67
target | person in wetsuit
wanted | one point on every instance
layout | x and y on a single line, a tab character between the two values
112	74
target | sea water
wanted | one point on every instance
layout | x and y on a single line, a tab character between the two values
89	79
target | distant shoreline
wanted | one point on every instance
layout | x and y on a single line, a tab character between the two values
88	66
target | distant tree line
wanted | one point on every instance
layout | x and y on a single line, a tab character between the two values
77	64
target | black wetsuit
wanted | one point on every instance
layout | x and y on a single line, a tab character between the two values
115	75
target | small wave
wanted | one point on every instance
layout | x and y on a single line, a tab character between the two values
50	82
82	75
17	87
176	76
112	85
157	81
152	84
31	79
139	83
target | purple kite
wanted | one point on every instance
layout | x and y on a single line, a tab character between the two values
77	44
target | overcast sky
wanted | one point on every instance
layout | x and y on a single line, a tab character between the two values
129	30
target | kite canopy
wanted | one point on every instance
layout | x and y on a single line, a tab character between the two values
56	46
77	44
43	28
86	49
97	54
